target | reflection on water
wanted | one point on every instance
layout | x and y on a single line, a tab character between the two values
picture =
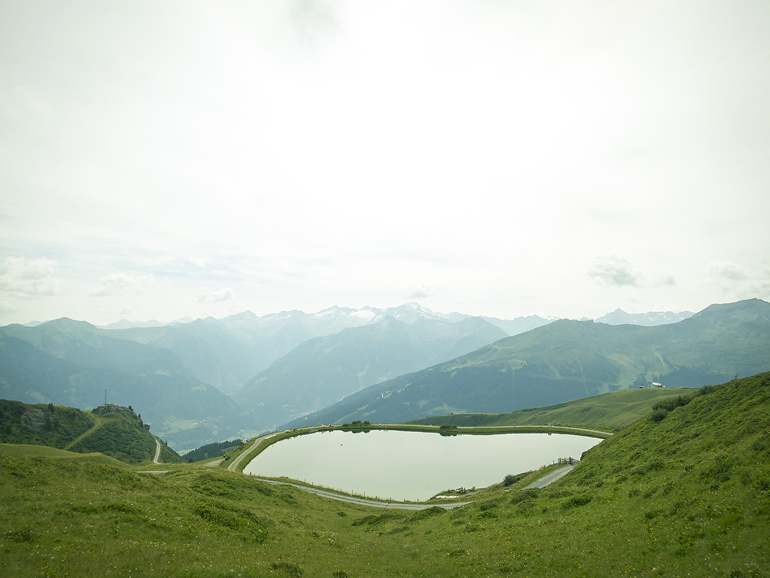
403	465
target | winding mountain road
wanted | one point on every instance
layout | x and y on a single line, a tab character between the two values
232	467
156	459
364	501
551	477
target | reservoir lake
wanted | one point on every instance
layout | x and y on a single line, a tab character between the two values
407	465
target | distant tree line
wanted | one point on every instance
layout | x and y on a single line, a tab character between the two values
214	450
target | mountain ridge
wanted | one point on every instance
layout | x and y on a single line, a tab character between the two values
569	360
324	370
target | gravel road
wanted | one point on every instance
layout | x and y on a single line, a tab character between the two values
364	501
550	478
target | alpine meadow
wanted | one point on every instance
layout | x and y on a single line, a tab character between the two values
417	288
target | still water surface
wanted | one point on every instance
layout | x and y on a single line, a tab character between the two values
403	465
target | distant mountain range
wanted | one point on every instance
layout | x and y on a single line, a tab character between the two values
230	351
174	374
568	360
338	318
324	370
212	379
125	324
620	317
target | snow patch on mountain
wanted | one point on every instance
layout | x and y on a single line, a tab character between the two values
649	319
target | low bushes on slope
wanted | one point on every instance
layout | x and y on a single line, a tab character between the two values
41	424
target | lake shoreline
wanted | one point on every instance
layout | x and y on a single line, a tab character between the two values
269	439
397	463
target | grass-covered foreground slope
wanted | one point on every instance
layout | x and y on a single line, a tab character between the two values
683	491
610	411
112	430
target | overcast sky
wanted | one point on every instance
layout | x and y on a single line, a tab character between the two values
504	158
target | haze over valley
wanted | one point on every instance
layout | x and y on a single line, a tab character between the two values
215	379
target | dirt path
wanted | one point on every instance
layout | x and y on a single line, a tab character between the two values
601	434
551	477
254	446
364	501
156	459
98	422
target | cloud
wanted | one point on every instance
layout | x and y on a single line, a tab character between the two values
116	282
21	104
730	271
209	296
6	307
615	271
742	282
28	278
309	17
421	292
668	281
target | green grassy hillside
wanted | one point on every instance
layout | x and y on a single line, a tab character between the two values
41	424
112	430
610	410
682	491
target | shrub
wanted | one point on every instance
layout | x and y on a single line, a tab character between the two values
577	500
707	389
524	496
671	403
373	520
721	471
484	506
23	535
233	518
288	569
660	409
428	513
654	466
510	479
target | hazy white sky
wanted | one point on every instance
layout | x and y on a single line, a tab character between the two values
505	158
